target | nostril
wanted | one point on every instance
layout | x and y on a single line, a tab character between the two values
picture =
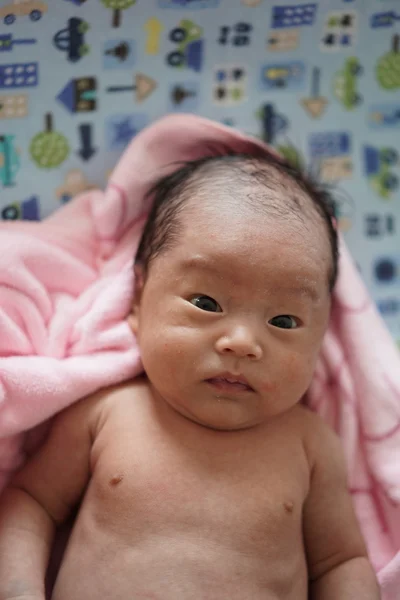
240	347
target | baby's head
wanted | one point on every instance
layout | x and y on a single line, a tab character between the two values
234	274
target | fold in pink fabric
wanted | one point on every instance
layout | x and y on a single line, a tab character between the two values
66	287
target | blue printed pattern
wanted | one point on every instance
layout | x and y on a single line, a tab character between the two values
318	80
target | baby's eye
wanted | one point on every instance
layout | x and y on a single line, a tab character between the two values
206	303
284	322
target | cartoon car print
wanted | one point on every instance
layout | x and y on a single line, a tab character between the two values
28	210
377	167
189	52
345	83
9	160
72	39
19	8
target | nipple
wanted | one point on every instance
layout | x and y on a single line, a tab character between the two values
288	506
116	479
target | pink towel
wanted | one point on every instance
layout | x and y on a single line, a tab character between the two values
66	288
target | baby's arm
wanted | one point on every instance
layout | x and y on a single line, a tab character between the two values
337	558
40	497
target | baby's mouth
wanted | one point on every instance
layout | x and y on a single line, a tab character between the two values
230	383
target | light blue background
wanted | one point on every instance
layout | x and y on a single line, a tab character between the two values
357	200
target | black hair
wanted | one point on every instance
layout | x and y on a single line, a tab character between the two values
170	194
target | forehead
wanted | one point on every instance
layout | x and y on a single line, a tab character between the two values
234	239
251	209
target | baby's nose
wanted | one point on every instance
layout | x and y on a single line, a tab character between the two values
240	342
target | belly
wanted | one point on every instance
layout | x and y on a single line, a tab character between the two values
166	538
171	565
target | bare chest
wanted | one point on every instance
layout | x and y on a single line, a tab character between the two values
240	490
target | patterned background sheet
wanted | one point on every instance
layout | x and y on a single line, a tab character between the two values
319	80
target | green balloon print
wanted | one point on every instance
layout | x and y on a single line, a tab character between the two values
388	67
48	148
116	6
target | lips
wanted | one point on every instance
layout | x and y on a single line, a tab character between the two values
230	382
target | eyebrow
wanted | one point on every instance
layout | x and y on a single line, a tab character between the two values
304	287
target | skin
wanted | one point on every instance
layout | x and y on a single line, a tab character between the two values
250	290
192	490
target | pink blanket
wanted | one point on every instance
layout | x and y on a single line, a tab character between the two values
66	287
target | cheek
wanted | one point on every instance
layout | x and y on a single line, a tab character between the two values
286	369
166	348
299	369
290	369
295	367
269	387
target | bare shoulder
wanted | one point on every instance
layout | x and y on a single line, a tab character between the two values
108	401
84	413
307	422
321	442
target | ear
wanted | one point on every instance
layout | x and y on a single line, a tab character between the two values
133	318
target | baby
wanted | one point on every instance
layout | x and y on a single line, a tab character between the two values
205	478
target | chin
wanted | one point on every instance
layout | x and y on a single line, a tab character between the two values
224	426
220	421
